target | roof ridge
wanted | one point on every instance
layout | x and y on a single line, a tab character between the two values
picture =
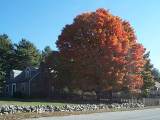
17	70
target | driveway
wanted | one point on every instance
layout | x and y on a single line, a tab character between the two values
147	114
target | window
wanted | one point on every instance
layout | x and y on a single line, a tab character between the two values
11	75
13	88
7	89
23	87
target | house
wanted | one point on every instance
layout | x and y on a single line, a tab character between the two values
33	82
30	82
155	91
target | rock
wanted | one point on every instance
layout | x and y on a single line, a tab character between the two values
26	109
57	109
4	109
11	109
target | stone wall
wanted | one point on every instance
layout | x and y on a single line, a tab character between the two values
11	109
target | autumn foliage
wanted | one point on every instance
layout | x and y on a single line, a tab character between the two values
101	50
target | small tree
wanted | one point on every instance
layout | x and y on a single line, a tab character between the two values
56	71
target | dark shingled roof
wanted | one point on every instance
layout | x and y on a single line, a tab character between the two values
21	76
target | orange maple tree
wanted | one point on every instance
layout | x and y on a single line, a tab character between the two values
102	51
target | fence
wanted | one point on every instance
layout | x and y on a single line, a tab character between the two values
145	101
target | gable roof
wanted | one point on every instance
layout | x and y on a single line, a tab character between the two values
20	76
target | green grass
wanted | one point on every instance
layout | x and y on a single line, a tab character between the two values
32	102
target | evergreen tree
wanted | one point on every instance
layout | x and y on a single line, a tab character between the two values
27	54
148	78
47	50
147	73
7	55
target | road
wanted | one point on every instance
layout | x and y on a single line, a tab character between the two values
147	114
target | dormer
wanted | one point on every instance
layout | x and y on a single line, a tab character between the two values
27	72
11	75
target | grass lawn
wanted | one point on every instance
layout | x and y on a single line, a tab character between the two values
31	102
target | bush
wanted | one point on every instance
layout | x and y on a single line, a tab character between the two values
145	93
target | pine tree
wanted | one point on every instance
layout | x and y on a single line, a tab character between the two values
148	78
6	57
47	50
27	54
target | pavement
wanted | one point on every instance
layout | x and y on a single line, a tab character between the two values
146	114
